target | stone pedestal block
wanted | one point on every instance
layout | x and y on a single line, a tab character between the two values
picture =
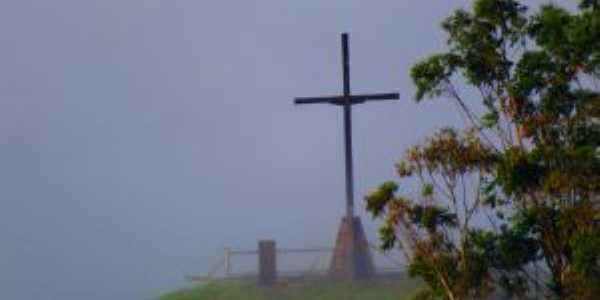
352	258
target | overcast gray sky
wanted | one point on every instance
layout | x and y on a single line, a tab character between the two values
139	138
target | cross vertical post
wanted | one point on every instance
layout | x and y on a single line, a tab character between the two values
348	129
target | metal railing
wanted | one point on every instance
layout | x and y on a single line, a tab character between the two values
223	268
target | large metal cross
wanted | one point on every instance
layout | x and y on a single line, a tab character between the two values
347	100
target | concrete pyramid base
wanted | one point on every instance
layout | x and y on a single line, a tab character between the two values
352	257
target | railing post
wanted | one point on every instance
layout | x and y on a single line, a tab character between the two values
227	262
267	262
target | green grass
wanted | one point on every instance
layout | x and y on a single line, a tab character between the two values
300	290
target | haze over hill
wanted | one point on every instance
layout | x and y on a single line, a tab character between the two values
140	138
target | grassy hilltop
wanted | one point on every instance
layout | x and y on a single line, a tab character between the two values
302	290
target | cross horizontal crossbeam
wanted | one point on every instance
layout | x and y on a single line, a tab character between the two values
347	100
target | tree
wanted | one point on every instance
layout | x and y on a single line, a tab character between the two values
516	193
434	228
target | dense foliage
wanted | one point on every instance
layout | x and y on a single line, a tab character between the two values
510	204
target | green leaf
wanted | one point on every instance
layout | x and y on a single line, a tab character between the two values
490	119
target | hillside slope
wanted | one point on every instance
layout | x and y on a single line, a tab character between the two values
301	290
